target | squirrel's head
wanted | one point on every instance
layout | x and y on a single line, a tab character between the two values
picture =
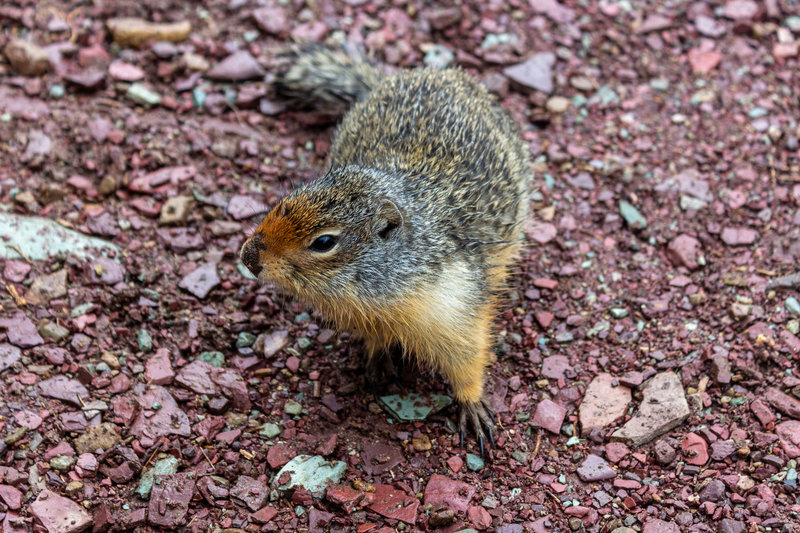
322	242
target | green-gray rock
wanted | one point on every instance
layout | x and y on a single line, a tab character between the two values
62	463
413	406
632	215
792	305
100	437
40	238
270	430
142	95
619	312
245	339
474	462
168	465
213	358
312	472
145	341
51	330
291	407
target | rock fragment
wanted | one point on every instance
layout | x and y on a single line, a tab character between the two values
602	403
27	58
130	31
664	406
534	73
59	514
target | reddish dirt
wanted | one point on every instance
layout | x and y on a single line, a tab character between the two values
687	112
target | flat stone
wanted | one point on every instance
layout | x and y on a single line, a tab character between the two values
11	497
41	238
311	472
684	250
251	492
236	67
21	330
64	389
27	58
549	415
738	236
176	209
158	369
740	9
412	406
654	22
196	376
664	407
378	458
129	31
59	514
278	455
47	287
8	355
654	525
120	70
789	434
89	79
555	366
722	449
595	468
168	465
783	402
159	415
169	500
200	281
241	207
455	495
728	525
603	403
709	26
395	504
101	437
267	513
703	61
713	492
534	73
695	449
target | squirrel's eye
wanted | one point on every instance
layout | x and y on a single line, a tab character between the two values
323	243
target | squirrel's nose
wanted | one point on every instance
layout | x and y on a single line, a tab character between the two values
250	256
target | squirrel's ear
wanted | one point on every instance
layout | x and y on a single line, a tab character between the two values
387	219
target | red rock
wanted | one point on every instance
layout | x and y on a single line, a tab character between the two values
310	31
595	468
265	514
545	283
738	236
455	495
602	403
327	446
121	70
64	389
11	497
740	9
158	369
762	411
785	50
378	458
789	434
169	500
695	449
278	455
544	318
271	19
252	492
455	463
236	67
628	484
616	451
58	514
293	363
21	330
549	415
479	517
541	232
555	366
703	61
395	504
228	437
654	22
62	448
168	419
783	402
344	496
28	419
684	250
655	525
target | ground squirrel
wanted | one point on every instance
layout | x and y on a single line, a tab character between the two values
408	238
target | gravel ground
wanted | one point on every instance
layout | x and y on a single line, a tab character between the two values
647	361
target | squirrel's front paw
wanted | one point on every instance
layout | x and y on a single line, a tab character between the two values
480	416
379	366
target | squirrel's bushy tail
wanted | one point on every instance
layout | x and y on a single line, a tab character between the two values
329	79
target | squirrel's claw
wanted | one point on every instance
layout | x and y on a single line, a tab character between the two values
480	416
